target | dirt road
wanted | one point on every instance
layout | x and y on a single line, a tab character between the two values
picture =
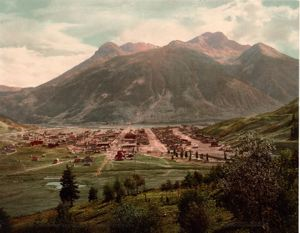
203	148
155	145
114	147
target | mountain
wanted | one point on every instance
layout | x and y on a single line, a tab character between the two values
275	125
215	45
9	89
180	82
270	71
104	53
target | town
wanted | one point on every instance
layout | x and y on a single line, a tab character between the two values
180	143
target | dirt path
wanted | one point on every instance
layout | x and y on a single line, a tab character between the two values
155	144
203	148
110	154
40	167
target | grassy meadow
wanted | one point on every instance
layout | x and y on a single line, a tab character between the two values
24	182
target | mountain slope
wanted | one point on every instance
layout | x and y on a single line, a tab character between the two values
215	45
8	125
270	71
275	125
104	53
168	84
175	83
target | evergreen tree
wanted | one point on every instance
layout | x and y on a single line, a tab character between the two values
63	215
93	194
119	190
108	192
69	191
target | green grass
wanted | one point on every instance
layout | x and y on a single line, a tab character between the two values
26	193
97	214
273	125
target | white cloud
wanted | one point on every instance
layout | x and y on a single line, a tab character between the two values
249	22
23	67
38	48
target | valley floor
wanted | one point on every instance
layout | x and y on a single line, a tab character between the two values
29	186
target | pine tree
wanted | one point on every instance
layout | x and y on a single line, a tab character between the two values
69	191
119	190
93	194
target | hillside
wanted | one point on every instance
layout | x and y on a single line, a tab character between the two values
275	125
97	215
8	125
180	82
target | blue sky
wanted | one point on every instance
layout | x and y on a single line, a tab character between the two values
40	39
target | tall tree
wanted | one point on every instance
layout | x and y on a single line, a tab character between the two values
93	194
108	192
119	190
69	191
251	185
192	216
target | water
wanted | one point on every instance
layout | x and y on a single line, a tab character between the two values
57	185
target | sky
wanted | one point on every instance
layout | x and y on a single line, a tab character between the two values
41	39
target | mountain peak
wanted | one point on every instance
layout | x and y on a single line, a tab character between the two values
213	37
261	48
137	47
108	49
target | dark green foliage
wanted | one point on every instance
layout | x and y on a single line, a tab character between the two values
69	191
166	186
130	185
176	185
108	192
93	194
192	180
119	190
128	218
198	178
63	214
5	225
192	217
215	174
139	180
188	181
295	128
252	186
288	200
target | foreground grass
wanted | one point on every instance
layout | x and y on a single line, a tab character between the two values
28	192
97	214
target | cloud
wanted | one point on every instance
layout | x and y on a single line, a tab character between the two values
46	38
247	22
41	40
23	67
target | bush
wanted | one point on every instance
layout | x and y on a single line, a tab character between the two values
192	217
129	218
